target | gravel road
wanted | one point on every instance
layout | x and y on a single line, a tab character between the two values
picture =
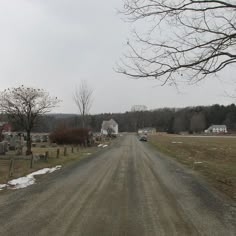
125	189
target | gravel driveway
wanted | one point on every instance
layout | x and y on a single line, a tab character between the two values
125	189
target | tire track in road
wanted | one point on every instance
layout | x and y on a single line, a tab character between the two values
76	211
111	213
165	216
198	204
56	206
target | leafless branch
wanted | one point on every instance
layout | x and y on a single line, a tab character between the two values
190	37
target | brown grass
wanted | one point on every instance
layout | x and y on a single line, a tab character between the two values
22	167
213	157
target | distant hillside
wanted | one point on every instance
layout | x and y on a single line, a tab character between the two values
172	120
61	115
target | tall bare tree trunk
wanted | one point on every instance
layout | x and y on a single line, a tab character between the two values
83	100
28	143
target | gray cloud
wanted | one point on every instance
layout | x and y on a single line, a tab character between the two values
55	44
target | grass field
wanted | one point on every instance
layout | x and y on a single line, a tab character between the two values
22	167
213	157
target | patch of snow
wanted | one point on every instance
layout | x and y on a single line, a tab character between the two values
198	162
21	182
58	167
104	146
88	153
176	142
45	171
100	145
29	179
2	186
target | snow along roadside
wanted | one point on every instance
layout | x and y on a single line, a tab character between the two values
27	180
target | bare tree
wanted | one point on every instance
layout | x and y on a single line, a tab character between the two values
179	123
184	40
25	106
83	100
198	122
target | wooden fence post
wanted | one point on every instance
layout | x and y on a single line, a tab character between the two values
31	161
46	156
72	149
58	152
65	151
11	168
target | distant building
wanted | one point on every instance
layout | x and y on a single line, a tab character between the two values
5	127
216	129
109	127
147	130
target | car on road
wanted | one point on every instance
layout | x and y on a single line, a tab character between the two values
143	138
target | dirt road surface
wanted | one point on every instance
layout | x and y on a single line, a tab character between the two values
125	189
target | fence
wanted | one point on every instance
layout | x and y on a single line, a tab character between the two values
8	161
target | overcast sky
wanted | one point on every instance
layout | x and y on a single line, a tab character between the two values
54	44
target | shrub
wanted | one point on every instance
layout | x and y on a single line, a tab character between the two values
71	136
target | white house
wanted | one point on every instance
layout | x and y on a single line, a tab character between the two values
216	129
147	130
109	126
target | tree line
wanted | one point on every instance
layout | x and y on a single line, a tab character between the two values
171	120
